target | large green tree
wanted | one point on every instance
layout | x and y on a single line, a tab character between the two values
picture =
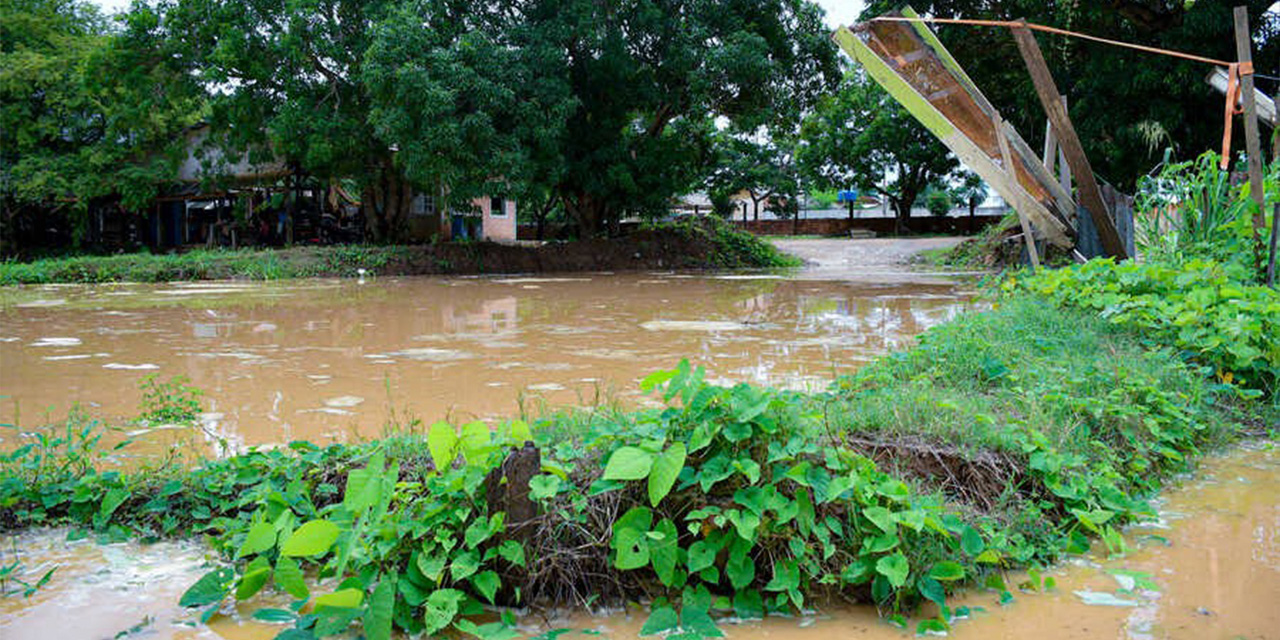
762	166
1120	100
286	82
87	109
860	137
649	77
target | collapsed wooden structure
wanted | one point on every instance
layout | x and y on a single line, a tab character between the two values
907	59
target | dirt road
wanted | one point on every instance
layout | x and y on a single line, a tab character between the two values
885	259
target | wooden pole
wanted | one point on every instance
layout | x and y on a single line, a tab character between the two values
1006	159
1089	193
1253	144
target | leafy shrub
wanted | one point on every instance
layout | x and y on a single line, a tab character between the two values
172	401
1201	308
1191	210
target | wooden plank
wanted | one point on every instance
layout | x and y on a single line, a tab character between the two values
1027	233
1253	144
1050	146
963	104
1086	184
1265	105
969	152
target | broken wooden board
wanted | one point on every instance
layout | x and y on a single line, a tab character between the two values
911	64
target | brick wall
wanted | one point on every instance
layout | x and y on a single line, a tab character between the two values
880	226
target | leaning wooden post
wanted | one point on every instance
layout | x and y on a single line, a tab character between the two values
1253	143
1089	193
1006	158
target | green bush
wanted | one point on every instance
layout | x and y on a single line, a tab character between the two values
1202	308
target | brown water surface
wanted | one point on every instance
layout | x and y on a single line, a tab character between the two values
326	359
1213	558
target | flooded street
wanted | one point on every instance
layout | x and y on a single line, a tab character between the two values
1210	568
337	360
331	360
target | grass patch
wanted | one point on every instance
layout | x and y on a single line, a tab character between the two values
685	244
1003	440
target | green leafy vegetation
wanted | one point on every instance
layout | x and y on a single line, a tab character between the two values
689	244
729	500
171	401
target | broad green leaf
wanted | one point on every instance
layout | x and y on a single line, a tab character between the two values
632	548
665	552
261	537
894	568
935	626
881	517
748	604
442	441
932	589
289	577
544	486
311	539
478	531
740	568
701	556
971	541
212	587
512	552
786	576
487	583
947	570
698	621
488	631
341	599
660	620
464	565
275	616
252	582
476	441
520	432
628	463
665	471
895	490
656	378
881	544
112	501
440	610
378	616
431	565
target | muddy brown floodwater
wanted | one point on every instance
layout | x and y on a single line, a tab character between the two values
1209	568
330	360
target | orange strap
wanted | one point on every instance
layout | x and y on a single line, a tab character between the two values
1233	107
1229	111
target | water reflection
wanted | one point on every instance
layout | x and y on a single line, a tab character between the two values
272	357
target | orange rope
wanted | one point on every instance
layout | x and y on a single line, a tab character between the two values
1013	24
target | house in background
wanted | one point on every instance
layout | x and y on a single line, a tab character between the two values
485	218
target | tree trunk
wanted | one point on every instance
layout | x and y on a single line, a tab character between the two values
901	213
386	204
973	208
590	215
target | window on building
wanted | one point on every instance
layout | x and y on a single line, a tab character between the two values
423	205
497	207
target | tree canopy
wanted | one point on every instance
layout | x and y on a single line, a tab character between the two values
860	137
87	108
